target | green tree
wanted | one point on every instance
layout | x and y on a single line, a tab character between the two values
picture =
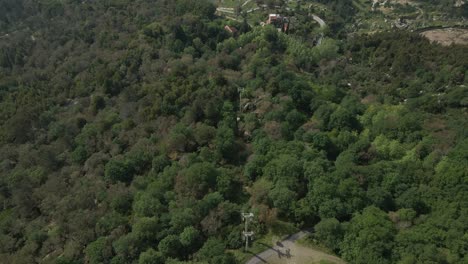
170	246
204	133
160	162
117	170
79	155
199	178
146	204
211	249
285	170
283	198
225	142
151	256
98	251
228	184
127	247
330	232
369	238
190	239
146	230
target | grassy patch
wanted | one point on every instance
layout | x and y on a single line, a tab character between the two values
309	242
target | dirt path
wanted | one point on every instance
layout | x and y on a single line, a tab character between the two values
225	10
287	251
421	12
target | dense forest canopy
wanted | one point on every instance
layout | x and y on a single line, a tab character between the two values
137	131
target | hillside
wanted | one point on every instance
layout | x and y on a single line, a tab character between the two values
138	131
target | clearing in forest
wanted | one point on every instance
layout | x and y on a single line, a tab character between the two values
303	255
290	251
447	36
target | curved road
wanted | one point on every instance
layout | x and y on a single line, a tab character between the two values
319	20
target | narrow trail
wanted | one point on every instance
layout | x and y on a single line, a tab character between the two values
421	12
246	2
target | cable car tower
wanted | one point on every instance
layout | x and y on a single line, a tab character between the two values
247	218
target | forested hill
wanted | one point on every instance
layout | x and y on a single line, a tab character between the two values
123	138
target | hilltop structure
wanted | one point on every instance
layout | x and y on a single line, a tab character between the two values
231	30
280	22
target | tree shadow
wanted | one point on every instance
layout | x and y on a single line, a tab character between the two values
268	246
286	254
257	256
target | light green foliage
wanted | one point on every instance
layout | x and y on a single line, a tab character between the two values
98	251
211	249
451	170
126	247
388	149
382	118
109	222
326	51
182	218
198	178
146	204
146	229
254	166
284	170
189	238
79	155
302	54
170	246
282	198
369	238
406	214
151	256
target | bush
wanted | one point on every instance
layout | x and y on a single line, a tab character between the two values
117	170
330	232
98	251
151	256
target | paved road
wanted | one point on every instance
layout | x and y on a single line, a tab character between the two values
263	256
319	20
